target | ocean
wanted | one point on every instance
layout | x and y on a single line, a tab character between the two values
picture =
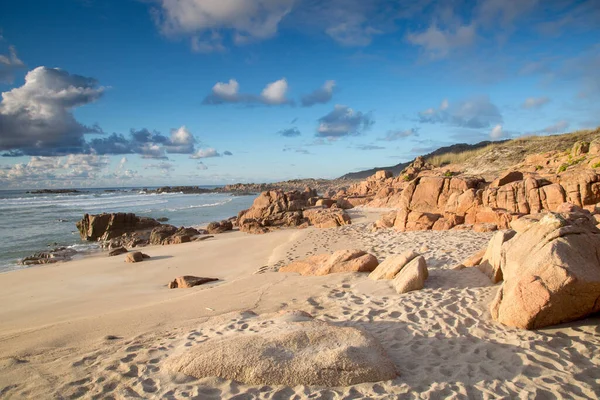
36	222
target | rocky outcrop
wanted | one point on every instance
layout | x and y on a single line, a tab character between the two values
291	349
326	218
551	273
135	257
188	281
276	209
219	227
412	276
392	265
102	227
340	261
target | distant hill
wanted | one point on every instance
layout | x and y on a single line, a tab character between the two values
398	168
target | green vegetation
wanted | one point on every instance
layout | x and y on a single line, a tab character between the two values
571	161
448	174
405	178
538	167
597	165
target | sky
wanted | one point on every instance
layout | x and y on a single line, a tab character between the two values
106	93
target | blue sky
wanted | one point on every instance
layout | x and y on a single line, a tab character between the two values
153	92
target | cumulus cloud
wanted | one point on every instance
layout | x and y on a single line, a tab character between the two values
205	153
145	143
535	102
496	132
36	118
76	168
321	95
476	113
343	121
438	43
9	64
244	20
391	136
274	93
289	132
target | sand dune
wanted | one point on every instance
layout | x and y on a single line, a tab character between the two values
100	328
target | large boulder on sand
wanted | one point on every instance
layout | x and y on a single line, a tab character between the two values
551	273
188	281
219	227
412	276
392	265
289	350
275	209
136	256
340	261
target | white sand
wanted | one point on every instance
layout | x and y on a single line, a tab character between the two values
54	322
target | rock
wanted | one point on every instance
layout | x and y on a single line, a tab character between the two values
344	204
492	259
289	350
412	276
108	226
551	274
594	147
219	227
162	219
161	233
117	251
327	203
579	148
506	178
340	261
188	281
275	209
392	265
474	259
485	228
382	175
525	222
136	256
326	218
386	220
49	257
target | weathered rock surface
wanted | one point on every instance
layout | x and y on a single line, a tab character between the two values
188	281
551	273
290	351
49	257
108	226
474	259
326	218
219	227
340	261
392	265
117	251
492	259
136	256
412	276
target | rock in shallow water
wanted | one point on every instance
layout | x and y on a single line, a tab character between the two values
290	349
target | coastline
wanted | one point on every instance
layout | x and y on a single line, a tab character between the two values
103	327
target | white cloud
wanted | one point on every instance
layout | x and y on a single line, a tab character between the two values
535	102
321	95
353	33
36	118
246	20
275	92
496	132
343	121
181	141
227	90
9	64
205	153
476	112
438	43
399	134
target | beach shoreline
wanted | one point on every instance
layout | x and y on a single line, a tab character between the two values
100	326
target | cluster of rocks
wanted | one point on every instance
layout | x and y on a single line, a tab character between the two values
408	271
428	198
49	257
549	266
277	209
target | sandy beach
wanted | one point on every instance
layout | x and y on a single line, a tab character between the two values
101	328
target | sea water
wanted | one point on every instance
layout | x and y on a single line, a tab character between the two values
36	222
